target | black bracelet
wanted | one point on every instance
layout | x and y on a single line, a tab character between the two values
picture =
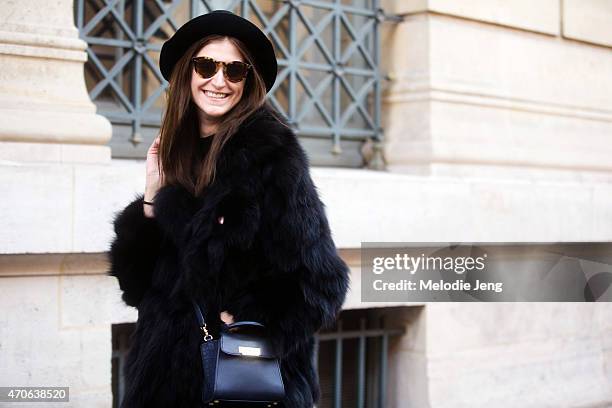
147	202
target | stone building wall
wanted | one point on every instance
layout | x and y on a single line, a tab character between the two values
498	127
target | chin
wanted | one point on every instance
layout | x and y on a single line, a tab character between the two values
213	111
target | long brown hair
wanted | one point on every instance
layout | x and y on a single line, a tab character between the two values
180	127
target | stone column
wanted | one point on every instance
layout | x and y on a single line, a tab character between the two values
45	112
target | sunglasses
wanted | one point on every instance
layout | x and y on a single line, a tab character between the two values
234	71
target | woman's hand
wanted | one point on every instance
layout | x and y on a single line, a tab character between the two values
227	318
154	178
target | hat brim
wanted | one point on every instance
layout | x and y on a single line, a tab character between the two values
221	22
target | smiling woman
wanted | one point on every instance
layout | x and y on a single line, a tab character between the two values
232	220
196	110
216	95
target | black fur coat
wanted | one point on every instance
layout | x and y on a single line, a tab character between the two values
272	260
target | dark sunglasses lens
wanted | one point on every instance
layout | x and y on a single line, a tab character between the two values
236	71
206	68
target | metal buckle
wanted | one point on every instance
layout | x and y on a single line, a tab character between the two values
207	336
249	351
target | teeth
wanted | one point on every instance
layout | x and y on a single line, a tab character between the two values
215	94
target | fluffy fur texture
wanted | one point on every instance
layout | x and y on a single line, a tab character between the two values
272	260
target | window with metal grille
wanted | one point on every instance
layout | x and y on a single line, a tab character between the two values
121	340
351	358
328	84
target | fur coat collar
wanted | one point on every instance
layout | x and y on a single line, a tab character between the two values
272	260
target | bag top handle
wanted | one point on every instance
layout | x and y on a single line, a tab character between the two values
226	327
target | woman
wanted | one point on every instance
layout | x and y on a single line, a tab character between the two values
230	216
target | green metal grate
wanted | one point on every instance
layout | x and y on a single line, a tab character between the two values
328	86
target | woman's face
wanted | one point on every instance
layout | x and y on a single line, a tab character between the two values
210	106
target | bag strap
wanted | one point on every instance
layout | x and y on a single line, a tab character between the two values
201	321
199	313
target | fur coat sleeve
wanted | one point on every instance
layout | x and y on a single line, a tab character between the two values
133	252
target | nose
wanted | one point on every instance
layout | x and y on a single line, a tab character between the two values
218	79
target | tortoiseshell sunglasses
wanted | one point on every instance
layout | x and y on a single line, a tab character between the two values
234	71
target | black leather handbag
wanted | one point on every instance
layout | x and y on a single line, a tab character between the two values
240	367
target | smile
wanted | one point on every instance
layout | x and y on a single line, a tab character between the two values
216	95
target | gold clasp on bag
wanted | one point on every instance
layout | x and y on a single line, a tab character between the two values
207	336
249	351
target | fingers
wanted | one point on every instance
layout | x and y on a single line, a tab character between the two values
153	149
227	318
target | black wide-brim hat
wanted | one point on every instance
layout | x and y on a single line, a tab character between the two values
221	22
